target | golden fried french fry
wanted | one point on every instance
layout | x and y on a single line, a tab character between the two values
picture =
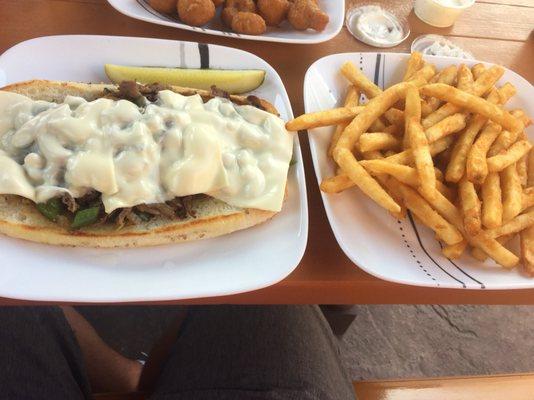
428	216
521	115
400	172
526	244
358	79
377	126
530	169
511	156
455	250
495	250
471	207
511	193
479	254
484	83
515	225
363	180
406	157
336	184
473	104
378	141
456	166
522	169
423	75
395	117
465	79
418	142
476	165
412	110
374	109
491	201
415	63
477	70
352	99
445	190
446	76
446	126
317	119
527	198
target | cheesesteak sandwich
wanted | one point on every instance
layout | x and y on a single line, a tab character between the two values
130	165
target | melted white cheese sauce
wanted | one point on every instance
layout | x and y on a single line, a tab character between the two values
176	146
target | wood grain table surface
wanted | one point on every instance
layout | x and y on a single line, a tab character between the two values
499	31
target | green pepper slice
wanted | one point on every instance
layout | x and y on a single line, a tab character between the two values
51	209
85	217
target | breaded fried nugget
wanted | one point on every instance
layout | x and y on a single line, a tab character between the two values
248	23
273	11
163	6
196	12
232	7
304	14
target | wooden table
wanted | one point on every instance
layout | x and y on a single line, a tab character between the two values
498	31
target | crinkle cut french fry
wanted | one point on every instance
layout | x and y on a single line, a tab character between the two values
358	79
511	193
473	104
476	165
446	126
491	201
471	207
352	99
515	225
350	166
317	119
416	204
511	156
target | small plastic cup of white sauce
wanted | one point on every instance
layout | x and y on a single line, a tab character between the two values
376	26
441	13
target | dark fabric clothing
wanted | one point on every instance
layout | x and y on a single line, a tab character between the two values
39	356
256	353
222	352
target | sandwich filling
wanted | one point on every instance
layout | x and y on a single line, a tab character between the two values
148	156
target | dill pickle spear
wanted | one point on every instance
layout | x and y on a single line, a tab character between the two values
231	81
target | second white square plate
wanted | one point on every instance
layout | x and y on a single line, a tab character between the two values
394	250
241	261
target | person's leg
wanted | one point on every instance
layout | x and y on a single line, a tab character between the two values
108	370
39	356
251	352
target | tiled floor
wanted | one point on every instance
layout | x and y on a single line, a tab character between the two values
382	342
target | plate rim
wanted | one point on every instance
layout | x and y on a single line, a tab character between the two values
300	181
326	203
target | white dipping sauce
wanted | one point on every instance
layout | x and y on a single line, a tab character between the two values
375	26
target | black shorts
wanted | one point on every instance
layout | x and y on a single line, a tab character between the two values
222	352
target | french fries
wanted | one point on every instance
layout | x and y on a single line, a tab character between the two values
437	131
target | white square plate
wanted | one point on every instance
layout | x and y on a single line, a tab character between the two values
242	261
398	251
139	9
